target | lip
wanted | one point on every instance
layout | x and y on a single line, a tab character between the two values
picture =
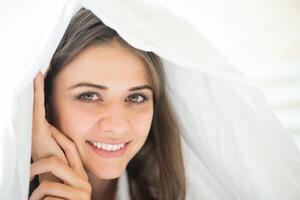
109	154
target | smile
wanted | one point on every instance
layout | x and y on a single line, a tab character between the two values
108	147
108	150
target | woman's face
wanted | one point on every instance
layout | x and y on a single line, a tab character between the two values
102	99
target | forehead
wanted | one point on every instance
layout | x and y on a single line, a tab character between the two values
105	64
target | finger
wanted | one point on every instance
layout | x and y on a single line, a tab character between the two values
58	168
48	188
38	105
70	150
52	198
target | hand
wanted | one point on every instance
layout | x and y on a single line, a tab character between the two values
43	143
75	180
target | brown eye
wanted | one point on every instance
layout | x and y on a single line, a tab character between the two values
136	98
88	96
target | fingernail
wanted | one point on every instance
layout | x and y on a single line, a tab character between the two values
35	80
39	73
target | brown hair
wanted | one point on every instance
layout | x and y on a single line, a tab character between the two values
157	170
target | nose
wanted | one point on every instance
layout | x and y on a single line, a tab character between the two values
113	120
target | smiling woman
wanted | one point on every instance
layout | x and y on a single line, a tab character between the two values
107	98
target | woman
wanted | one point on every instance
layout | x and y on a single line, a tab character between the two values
233	145
108	110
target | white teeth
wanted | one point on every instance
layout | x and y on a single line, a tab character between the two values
108	147
115	147
97	144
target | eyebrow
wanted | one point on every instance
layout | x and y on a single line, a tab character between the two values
102	87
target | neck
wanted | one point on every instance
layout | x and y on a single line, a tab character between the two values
102	188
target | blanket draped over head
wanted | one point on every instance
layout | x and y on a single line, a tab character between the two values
234	147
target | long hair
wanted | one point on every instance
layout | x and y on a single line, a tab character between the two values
157	170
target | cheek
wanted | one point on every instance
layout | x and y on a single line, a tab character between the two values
141	122
75	123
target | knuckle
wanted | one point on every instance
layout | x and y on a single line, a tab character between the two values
88	187
50	198
71	146
35	105
45	184
54	160
84	195
85	177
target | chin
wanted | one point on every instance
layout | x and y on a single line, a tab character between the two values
108	172
109	176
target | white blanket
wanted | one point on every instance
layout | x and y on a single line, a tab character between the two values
234	146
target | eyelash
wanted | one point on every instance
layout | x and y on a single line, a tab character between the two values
138	95
81	97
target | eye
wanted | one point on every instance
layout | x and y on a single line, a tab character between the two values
88	96
137	98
